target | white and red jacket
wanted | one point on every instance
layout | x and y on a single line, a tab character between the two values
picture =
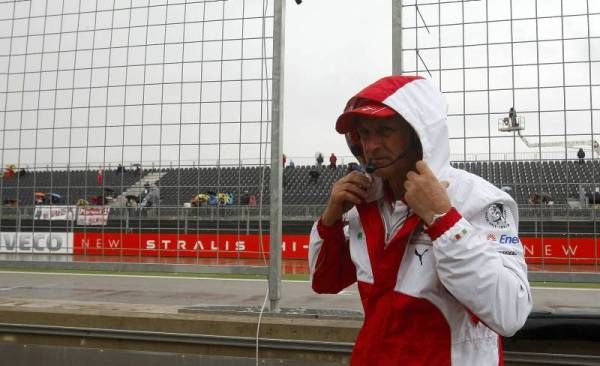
441	295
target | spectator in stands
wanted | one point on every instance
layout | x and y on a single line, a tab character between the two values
11	202
10	171
96	200
421	237
581	155
314	175
138	170
244	198
40	198
332	161
120	169
199	199
55	198
284	158
534	199
252	200
152	197
292	165
100	176
319	159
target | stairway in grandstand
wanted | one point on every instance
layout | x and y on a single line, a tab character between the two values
136	188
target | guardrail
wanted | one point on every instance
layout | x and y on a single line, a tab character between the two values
154	339
290	213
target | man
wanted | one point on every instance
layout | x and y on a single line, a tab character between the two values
581	155
332	161
434	249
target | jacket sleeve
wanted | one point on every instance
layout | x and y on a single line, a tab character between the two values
331	267
481	263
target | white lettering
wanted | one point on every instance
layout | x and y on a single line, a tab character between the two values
548	250
240	245
198	245
150	244
38	243
113	243
165	243
25	243
528	249
181	244
569	251
213	245
34	242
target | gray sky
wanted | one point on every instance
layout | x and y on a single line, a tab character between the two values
334	48
89	71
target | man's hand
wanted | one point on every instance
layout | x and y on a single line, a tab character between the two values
425	194
350	190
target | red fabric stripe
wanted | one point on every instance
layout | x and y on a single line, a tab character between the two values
383	88
331	230
500	351
398	329
334	270
443	224
402	330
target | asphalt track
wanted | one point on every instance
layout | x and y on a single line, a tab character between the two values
164	294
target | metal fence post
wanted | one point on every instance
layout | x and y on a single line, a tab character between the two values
276	159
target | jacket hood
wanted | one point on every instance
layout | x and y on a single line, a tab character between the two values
423	106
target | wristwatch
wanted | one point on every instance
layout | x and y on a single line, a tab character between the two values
436	217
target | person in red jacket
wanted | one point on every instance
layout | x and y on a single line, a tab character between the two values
332	160
435	250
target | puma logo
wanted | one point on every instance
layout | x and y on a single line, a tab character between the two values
420	255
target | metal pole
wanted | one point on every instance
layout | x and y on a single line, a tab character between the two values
397	37
276	159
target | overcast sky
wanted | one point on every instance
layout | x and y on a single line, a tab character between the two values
334	48
146	80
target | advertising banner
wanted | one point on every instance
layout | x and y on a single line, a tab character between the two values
36	243
192	245
552	250
557	250
55	213
92	215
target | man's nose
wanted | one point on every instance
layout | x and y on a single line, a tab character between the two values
372	142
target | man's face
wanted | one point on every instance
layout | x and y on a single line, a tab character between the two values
383	140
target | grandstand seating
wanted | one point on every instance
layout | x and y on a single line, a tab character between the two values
556	178
69	184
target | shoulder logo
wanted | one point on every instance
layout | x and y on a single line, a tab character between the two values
359	236
496	214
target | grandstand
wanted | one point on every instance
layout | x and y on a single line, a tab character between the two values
560	180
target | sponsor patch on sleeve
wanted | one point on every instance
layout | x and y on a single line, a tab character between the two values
497	215
507	244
